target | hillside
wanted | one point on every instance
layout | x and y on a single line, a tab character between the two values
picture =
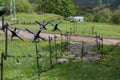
105	3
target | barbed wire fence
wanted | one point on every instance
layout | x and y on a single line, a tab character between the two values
30	65
22	61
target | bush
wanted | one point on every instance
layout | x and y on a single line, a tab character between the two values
96	9
34	7
89	17
0	2
61	7
6	4
23	6
116	18
103	16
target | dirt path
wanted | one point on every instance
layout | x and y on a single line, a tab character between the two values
27	35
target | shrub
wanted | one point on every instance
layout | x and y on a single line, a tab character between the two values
0	2
103	16
6	4
61	7
89	17
96	9
23	6
116	18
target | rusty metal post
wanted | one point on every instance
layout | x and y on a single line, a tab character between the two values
51	64
6	41
55	46
37	58
2	61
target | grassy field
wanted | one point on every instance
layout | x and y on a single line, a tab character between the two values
83	28
16	68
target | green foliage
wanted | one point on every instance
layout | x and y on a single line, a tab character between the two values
26	66
89	17
0	2
96	9
116	18
61	7
7	5
23	6
103	3
103	16
34	7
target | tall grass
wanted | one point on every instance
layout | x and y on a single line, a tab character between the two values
26	68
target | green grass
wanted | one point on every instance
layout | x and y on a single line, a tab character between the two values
83	28
26	66
107	68
21	17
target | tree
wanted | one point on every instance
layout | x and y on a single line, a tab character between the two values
61	7
89	17
116	18
103	15
115	4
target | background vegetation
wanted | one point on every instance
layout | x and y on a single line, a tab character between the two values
0	1
61	7
23	6
99	10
